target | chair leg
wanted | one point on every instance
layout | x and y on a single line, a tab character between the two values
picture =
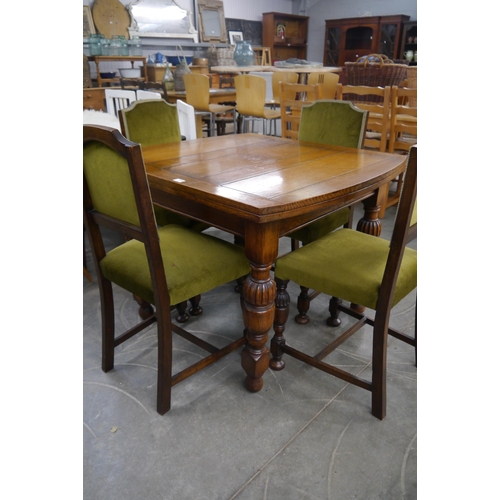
108	326
379	369
145	308
303	304
334	319
282	303
164	378
181	311
195	309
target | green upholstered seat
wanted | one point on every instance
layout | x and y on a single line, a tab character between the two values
355	262
193	263
334	123
361	269
163	267
151	122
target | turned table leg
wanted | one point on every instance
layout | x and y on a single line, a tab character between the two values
259	292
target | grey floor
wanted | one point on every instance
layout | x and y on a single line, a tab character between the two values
305	435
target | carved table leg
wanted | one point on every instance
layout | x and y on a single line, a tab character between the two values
259	292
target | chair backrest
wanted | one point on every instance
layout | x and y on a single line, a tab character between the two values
197	91
150	122
376	100
250	95
328	82
293	97
130	83
403	126
336	123
187	120
404	231
117	99
278	77
146	94
268	76
116	195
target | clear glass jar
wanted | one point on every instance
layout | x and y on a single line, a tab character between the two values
95	48
135	46
115	46
123	46
104	46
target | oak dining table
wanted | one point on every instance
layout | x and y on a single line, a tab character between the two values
260	188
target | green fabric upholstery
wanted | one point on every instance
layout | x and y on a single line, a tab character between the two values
321	227
347	264
194	263
336	123
151	122
104	170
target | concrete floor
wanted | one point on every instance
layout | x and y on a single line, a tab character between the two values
305	435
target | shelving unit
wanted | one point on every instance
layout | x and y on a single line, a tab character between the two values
348	39
293	43
409	41
131	59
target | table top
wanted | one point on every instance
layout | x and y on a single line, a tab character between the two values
297	69
264	179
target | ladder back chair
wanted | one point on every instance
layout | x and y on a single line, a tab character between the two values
359	268
160	267
328	81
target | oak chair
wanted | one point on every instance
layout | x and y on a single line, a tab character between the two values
327	81
277	78
160	267
402	134
359	268
379	107
251	102
198	95
293	96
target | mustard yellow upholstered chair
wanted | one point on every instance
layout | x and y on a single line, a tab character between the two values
251	101
362	269
160	267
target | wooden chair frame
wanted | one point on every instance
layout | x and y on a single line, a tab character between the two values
147	233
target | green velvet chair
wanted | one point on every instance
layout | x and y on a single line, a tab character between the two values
151	122
359	268
333	123
162	267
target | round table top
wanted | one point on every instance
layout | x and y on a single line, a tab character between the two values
295	69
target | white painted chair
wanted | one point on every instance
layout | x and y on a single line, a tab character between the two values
117	99
187	121
146	94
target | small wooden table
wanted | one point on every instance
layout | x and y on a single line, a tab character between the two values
260	188
131	59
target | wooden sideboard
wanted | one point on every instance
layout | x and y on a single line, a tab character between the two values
94	98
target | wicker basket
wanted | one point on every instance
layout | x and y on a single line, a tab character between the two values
220	57
375	70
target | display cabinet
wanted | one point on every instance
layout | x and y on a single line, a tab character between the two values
409	42
285	34
348	39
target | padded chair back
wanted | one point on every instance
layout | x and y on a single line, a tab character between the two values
187	120
376	100
328	81
250	95
150	122
336	123
293	97
117	99
278	77
146	94
197	91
